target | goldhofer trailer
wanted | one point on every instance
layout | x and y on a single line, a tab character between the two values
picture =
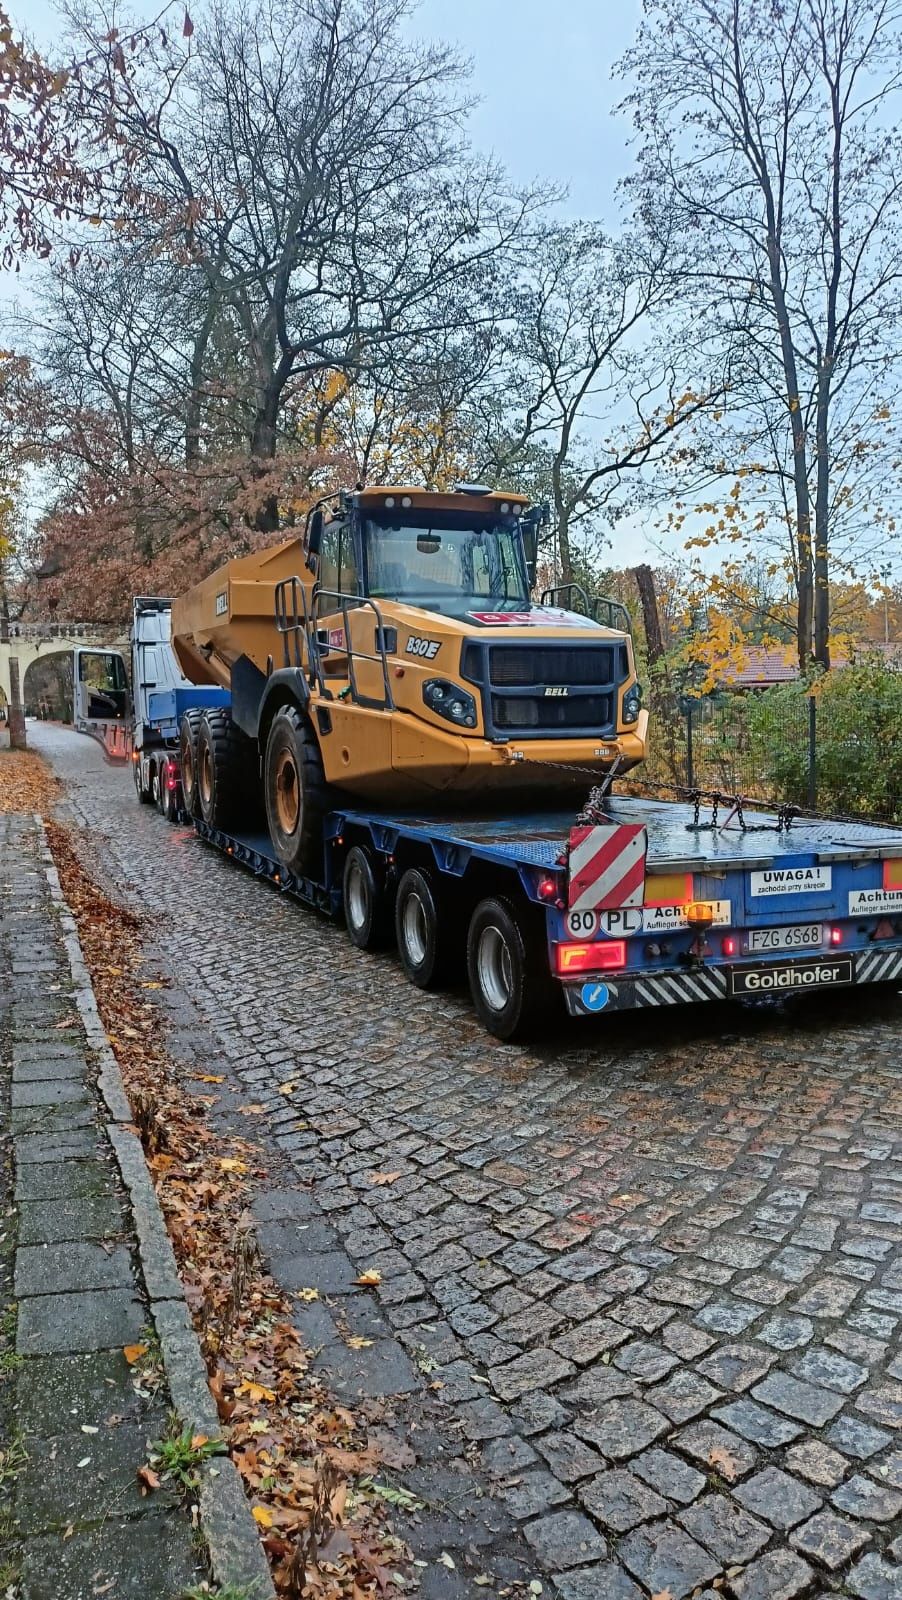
643	903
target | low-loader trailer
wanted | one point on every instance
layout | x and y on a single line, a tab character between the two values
379	719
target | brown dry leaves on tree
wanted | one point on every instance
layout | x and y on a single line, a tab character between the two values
26	783
300	1455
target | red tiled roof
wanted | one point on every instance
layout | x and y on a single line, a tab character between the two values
762	666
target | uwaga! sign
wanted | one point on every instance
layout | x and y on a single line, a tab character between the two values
792	880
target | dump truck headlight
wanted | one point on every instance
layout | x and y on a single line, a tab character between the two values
449	700
632	702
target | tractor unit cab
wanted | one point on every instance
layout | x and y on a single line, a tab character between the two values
395	652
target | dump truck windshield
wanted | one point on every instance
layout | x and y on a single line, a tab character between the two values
439	564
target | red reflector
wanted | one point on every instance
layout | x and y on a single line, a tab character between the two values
547	888
600	957
836	935
730	947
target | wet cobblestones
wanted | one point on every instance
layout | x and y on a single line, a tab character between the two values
655	1267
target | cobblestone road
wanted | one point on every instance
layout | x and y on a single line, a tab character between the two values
657	1269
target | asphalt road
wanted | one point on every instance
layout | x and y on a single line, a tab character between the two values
655	1265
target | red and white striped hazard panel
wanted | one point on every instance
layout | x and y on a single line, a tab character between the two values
607	867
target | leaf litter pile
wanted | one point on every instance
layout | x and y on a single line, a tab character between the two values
307	1464
26	783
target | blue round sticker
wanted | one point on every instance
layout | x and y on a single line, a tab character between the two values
595	996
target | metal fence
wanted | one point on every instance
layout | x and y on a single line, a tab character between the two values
776	747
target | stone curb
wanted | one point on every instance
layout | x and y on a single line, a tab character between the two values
236	1555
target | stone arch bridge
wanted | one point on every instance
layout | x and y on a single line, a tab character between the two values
39	641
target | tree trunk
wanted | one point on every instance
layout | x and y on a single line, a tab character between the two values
17	736
15	713
821	533
648	599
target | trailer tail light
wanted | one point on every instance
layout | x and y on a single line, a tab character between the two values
603	956
836	935
730	946
547	888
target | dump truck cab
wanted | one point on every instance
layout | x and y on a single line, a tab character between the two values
461	644
399	638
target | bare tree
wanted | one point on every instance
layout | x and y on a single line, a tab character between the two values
309	165
767	142
601	397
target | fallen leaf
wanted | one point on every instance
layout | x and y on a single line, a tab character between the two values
370	1278
306	1294
148	1478
84	1462
448	1561
86	1428
68	1530
209	1077
380	1178
252	1111
663	1594
287	1088
355	1342
263	1516
134	1352
255	1391
232	1164
719	1457
152	985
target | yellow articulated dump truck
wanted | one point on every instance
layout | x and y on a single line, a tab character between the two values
394	654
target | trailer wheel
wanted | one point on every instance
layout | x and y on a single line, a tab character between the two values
294	790
222	769
512	989
366	912
144	795
188	732
424	937
169	804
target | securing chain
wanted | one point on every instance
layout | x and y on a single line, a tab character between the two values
596	807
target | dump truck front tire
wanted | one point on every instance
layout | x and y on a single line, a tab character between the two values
295	793
222	770
188	732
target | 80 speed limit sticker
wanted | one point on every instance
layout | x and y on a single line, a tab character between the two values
617	924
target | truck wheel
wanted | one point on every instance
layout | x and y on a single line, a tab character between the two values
169	799
366	912
512	989
188	732
294	790
423	937
144	795
222	768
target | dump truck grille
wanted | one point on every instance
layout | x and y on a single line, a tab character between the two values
527	665
534	711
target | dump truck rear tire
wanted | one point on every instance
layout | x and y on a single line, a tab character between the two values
512	989
222	770
295	793
366	909
188	732
424	935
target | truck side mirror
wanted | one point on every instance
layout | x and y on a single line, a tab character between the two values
530	551
313	534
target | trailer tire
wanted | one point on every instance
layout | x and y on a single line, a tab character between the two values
295	793
169	804
188	732
144	795
424	934
367	915
222	768
513	991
